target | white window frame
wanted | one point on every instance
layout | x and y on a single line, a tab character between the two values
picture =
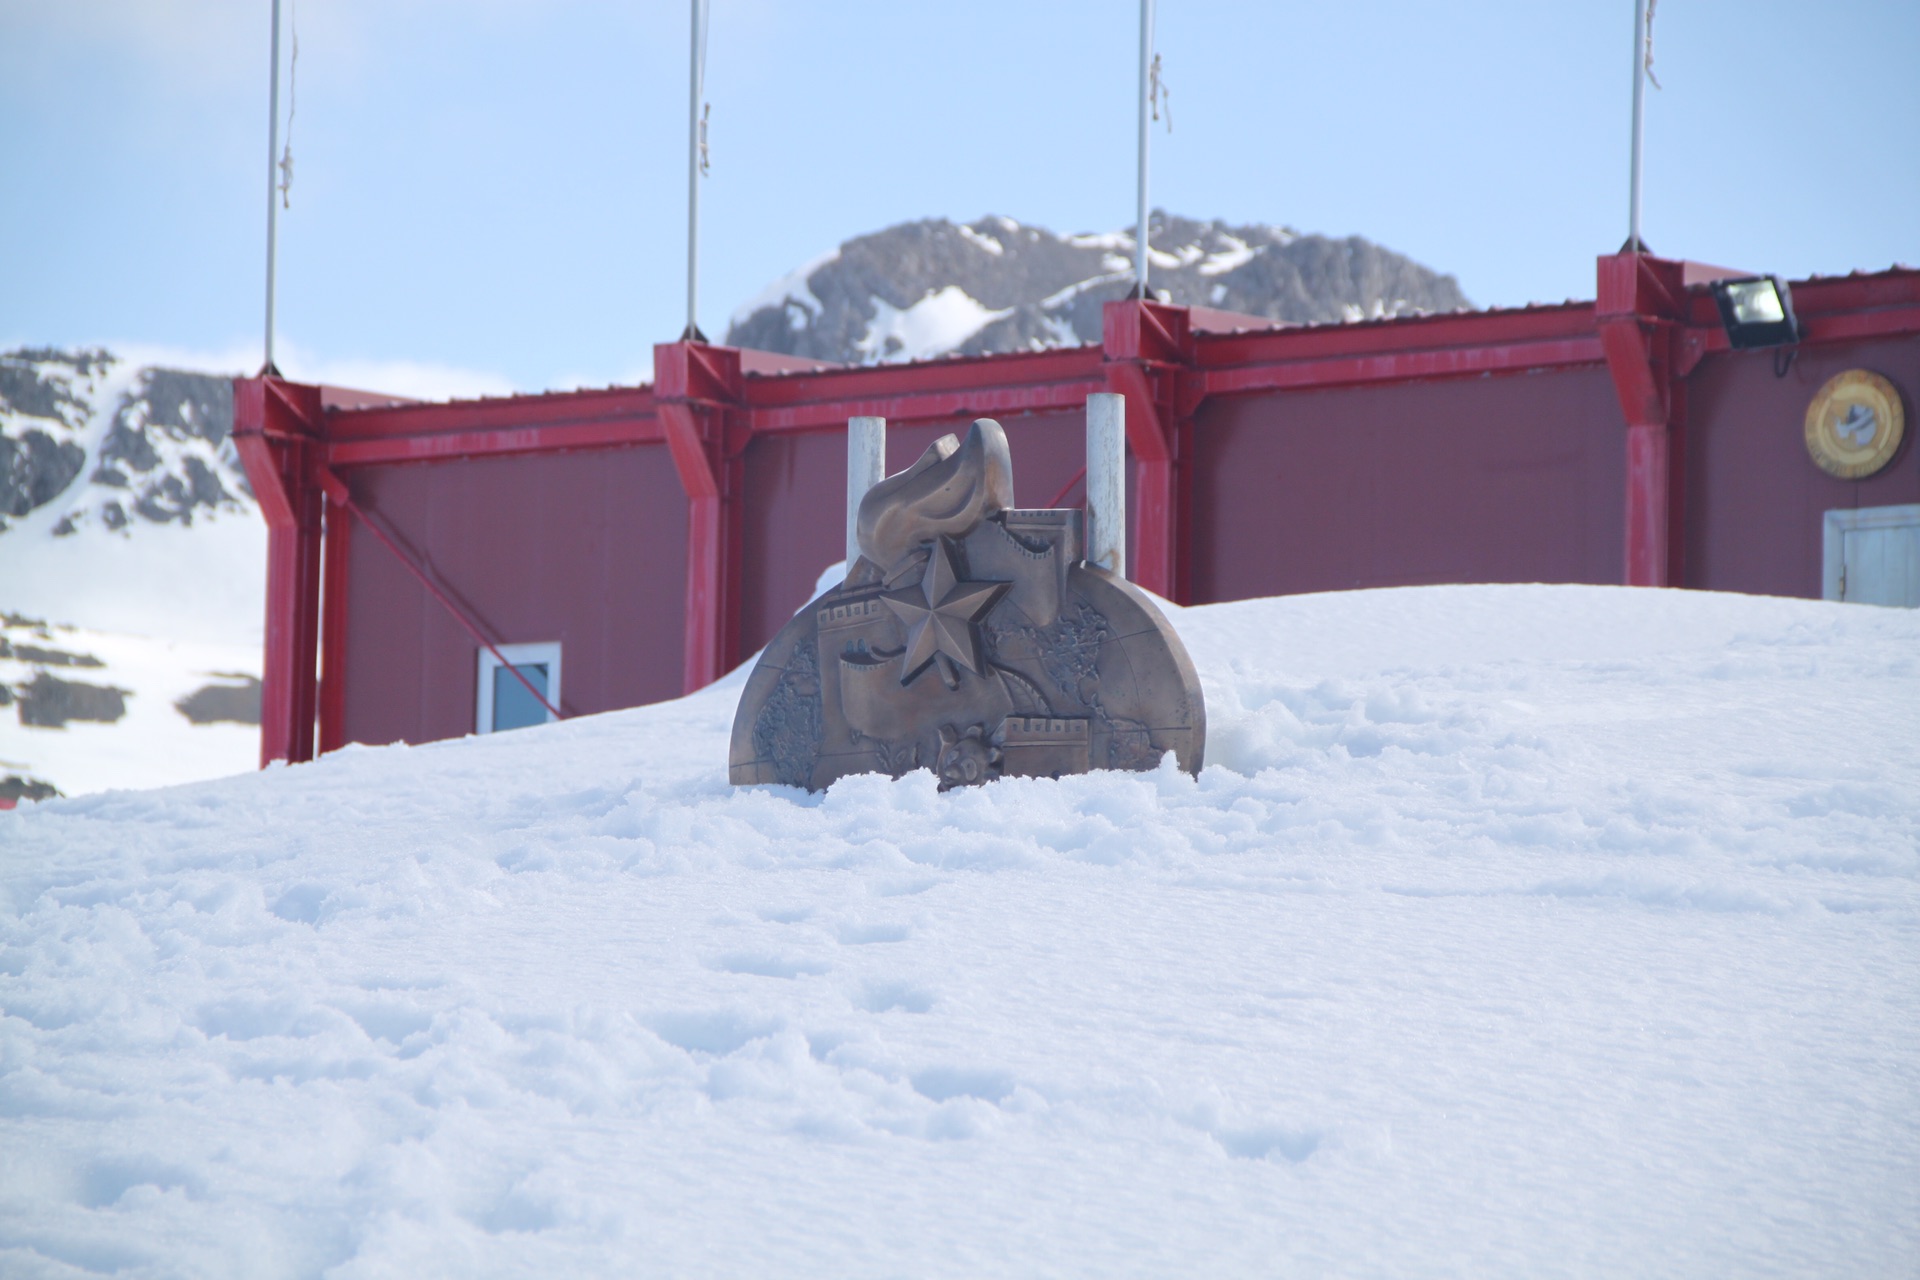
516	655
1844	520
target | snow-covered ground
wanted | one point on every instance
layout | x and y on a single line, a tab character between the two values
1510	931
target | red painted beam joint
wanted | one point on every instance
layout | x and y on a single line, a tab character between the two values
699	392
276	430
1640	311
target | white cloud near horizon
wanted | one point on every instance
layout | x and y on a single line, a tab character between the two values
413	379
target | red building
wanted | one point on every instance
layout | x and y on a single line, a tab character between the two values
656	536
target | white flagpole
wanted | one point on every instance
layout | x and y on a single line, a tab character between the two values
273	148
695	74
1140	223
1639	121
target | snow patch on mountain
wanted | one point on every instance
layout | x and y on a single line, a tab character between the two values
938	323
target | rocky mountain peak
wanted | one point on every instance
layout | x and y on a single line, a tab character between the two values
933	287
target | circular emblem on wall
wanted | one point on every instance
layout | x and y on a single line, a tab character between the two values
1854	424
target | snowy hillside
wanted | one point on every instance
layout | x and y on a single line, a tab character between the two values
124	512
84	710
931	288
1510	931
95	442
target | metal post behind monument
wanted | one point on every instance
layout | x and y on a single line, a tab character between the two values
866	467
1107	482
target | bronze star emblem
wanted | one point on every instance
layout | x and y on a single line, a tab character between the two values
939	615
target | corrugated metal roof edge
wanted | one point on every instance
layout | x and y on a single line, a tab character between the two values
1259	325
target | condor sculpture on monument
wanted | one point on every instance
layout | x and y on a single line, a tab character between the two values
970	638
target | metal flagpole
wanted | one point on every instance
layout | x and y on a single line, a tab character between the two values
273	147
1634	243
1140	224
696	73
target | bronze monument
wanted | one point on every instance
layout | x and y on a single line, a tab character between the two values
970	638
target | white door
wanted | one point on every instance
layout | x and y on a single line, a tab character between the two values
1873	556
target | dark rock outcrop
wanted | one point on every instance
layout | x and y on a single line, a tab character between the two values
48	702
34	469
14	788
46	657
168	405
233	703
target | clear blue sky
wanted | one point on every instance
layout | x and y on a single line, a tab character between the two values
497	186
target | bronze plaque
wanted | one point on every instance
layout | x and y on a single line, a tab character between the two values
969	638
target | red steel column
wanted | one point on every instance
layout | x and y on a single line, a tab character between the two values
333	625
1146	346
1647	528
1641	303
276	428
698	392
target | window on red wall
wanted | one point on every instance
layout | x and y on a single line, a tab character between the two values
502	701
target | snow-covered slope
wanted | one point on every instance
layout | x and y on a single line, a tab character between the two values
124	512
123	505
1510	931
931	288
84	710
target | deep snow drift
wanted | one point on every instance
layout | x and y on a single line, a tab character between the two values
1510	931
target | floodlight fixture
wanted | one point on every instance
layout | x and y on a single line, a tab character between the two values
1756	312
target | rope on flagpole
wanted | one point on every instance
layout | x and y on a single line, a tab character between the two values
1651	78
293	104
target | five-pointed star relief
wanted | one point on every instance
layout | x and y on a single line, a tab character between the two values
939	615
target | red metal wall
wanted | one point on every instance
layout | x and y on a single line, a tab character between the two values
1512	478
587	548
1755	502
1619	441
